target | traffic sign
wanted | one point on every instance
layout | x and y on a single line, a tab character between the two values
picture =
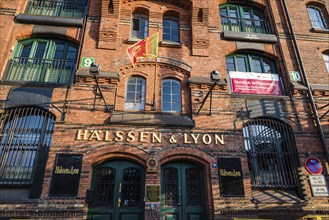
313	165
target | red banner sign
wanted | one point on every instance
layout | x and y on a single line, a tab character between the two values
255	83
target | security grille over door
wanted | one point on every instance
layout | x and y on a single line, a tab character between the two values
182	191
118	187
171	187
23	132
131	185
272	155
104	195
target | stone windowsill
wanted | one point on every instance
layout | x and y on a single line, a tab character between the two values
320	30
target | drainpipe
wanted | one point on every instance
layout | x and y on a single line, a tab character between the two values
284	64
83	33
309	92
68	90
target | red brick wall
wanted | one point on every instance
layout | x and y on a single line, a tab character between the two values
203	49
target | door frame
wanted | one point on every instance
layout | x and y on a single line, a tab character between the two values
183	209
116	210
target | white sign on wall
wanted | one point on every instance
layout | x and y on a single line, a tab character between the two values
318	185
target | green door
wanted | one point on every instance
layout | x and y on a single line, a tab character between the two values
118	191
182	192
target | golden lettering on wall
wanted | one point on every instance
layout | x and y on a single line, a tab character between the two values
61	170
234	173
149	137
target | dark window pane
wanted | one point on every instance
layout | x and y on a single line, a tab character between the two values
136	24
193	187
26	50
241	64
104	188
131	185
230	64
59	51
40	50
256	64
170	187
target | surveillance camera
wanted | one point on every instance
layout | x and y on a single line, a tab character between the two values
215	75
94	68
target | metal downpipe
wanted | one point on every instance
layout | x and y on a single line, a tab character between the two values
309	92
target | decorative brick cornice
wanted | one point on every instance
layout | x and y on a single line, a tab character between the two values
8	11
44	213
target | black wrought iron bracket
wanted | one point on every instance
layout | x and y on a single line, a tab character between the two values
98	94
325	112
205	99
63	112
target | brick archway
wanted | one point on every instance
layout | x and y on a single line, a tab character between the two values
109	152
199	157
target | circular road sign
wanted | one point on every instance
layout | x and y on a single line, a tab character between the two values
313	165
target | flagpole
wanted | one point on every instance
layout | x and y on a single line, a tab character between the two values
155	78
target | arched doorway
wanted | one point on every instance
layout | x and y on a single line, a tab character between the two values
182	191
118	191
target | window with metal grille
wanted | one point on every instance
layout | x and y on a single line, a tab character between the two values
23	132
242	18
43	61
60	8
272	155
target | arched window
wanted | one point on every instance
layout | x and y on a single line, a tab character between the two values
272	156
242	18
171	27
316	17
171	96
24	132
135	94
247	62
42	60
140	24
253	74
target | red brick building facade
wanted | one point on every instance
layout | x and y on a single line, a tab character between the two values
229	121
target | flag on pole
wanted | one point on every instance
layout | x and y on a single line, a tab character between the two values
147	47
